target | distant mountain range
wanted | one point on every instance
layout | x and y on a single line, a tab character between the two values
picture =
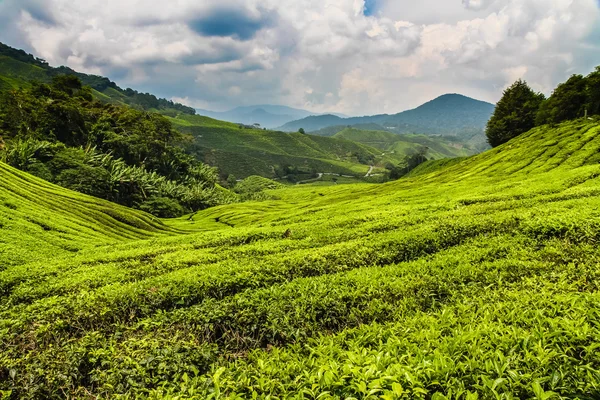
447	115
267	116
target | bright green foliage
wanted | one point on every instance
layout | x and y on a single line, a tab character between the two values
254	187
474	279
40	221
515	113
568	101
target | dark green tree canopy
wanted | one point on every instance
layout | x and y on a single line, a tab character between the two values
568	101
60	133
515	113
593	88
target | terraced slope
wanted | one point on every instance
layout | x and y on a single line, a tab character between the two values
405	144
39	220
246	152
477	279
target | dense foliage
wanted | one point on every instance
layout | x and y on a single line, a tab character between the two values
520	108
568	101
60	133
45	73
437	287
515	113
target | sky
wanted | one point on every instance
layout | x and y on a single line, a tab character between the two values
356	57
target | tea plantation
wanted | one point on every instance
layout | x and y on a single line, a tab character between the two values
471	279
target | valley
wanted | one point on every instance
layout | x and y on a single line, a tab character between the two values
469	258
150	250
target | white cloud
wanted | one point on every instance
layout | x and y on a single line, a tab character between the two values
321	54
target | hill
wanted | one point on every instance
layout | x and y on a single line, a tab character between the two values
405	144
18	69
243	152
447	115
39	220
476	279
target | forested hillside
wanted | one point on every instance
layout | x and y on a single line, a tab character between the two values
19	69
242	151
60	133
236	151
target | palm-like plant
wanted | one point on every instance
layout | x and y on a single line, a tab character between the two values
22	152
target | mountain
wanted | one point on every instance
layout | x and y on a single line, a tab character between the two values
267	116
19	69
447	115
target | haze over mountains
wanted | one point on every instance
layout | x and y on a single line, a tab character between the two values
266	115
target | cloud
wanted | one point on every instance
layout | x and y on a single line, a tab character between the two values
477	4
232	22
347	56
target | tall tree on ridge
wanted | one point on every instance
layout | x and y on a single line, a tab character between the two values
515	113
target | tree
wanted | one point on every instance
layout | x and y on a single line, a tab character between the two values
515	113
593	88
411	162
568	101
231	181
302	131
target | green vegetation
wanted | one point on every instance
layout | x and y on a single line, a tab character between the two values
243	152
60	133
40	221
406	144
474	279
234	149
515	113
254	188
520	109
19	69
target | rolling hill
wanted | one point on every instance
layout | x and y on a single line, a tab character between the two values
475	278
404	144
39	220
238	152
245	152
447	115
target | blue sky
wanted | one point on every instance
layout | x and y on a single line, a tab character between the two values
351	56
370	8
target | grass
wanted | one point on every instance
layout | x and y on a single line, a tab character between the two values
475	278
